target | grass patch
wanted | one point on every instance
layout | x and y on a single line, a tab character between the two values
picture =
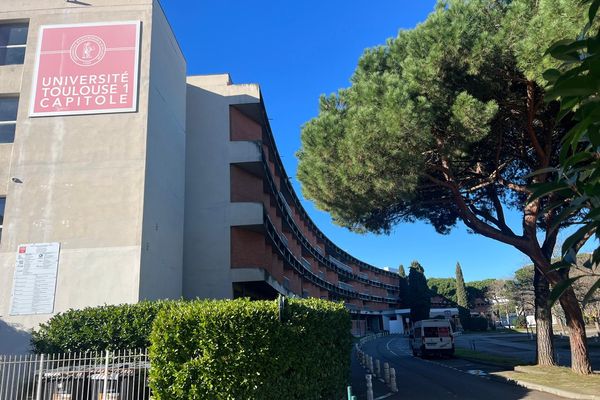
498	331
556	377
487	358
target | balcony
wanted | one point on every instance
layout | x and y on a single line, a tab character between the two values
306	264
345	286
340	264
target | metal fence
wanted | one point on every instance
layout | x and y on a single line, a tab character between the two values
108	375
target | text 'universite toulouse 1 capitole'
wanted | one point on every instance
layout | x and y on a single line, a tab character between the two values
123	179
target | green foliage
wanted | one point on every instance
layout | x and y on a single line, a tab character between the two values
125	326
445	287
239	349
401	271
419	296
461	295
432	126
403	285
576	83
474	323
521	321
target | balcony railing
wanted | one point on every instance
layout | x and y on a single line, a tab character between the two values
340	264
345	286
306	264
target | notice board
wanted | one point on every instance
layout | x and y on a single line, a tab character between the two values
34	282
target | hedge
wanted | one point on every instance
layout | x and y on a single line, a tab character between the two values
475	324
125	326
240	349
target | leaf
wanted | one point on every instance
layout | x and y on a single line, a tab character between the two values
544	189
576	237
559	289
593	10
551	75
560	265
541	171
588	296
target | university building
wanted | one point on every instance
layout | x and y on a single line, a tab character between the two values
121	179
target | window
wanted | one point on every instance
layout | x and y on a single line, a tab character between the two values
2	205
13	40
8	118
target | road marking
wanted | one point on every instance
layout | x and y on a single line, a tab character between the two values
385	396
387	346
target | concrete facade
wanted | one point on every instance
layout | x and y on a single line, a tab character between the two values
108	187
186	197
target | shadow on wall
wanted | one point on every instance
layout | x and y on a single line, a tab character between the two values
13	340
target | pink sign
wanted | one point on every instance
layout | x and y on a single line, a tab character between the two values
86	69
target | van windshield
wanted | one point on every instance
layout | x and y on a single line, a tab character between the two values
436	331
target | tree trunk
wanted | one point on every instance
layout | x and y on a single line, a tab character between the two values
543	320
580	361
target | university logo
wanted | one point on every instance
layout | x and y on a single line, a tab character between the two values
88	50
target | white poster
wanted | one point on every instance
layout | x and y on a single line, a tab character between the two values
34	283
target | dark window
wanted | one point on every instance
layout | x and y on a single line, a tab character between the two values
8	118
2	205
434	331
13	40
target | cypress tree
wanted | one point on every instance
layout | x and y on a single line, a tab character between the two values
419	296
403	286
461	295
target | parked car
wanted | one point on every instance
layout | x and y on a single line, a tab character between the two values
432	337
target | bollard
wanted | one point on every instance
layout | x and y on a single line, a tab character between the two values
370	367
386	373
393	386
377	369
349	389
369	387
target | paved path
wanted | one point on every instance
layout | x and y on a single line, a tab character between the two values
434	378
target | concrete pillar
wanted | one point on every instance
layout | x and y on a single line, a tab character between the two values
369	387
393	386
386	373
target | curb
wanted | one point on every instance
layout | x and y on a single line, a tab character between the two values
548	389
551	390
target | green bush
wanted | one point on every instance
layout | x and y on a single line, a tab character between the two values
521	321
240	349
475	324
97	328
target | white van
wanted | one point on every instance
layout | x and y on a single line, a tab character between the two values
432	336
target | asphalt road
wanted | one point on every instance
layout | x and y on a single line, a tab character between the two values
434	378
519	345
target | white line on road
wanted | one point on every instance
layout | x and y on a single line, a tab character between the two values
385	396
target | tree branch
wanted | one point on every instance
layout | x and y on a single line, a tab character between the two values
530	117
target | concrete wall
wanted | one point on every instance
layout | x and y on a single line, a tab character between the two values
164	192
208	212
82	176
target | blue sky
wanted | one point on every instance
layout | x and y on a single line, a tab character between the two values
299	50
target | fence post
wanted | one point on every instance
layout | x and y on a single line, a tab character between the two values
369	387
38	394
105	388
